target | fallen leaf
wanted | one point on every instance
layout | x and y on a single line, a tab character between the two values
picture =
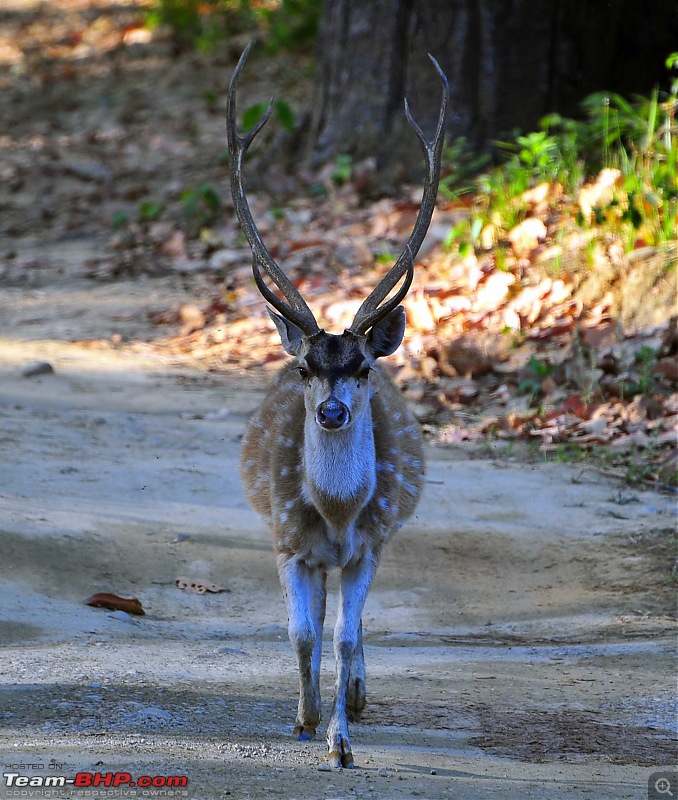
493	291
600	193
419	314
175	246
115	603
668	367
526	235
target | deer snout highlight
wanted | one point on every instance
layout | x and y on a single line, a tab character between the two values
332	414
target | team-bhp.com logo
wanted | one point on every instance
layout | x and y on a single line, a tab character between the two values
89	780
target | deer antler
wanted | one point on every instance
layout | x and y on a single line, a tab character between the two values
371	310
295	310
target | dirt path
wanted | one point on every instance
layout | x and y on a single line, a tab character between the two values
516	637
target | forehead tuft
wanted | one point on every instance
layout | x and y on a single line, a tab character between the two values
334	355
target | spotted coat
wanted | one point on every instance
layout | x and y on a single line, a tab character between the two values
326	531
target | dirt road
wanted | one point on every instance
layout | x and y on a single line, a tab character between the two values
516	638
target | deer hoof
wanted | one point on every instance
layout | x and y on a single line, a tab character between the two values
340	755
344	760
304	734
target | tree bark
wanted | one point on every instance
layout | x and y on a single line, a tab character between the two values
509	62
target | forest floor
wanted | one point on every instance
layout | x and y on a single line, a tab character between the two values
520	637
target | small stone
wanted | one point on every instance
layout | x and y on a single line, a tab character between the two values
434	772
37	368
88	171
324	768
382	772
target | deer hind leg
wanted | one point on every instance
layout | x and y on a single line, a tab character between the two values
356	695
356	579
306	595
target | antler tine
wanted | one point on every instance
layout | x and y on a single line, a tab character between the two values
296	310
372	310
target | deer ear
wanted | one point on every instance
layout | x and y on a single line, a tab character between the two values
290	334
385	337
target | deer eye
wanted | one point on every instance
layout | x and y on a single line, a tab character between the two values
303	372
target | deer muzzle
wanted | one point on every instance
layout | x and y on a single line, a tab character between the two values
332	414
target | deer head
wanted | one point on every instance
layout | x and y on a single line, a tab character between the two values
335	369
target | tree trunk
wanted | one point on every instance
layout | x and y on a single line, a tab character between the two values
509	62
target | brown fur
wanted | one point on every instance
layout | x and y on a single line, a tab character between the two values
272	473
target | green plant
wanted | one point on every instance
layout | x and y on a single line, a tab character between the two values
462	163
384	257
569	454
343	167
646	359
290	24
638	137
119	220
536	372
200	206
149	211
465	235
281	109
202	24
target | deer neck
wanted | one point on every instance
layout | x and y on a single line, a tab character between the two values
339	467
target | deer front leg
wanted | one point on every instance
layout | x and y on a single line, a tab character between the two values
356	579
356	696
306	594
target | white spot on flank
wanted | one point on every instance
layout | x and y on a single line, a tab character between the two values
410	488
289	504
284	471
397	416
389	467
283	516
399	478
383	503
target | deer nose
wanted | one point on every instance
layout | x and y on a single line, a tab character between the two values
332	414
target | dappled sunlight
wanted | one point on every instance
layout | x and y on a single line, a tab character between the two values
539	310
68	30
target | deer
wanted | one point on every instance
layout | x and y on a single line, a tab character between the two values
333	458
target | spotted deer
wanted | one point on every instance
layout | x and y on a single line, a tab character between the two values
333	458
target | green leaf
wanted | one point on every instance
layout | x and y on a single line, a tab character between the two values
252	115
285	114
343	166
149	211
476	228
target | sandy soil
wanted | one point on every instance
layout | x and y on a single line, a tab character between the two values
518	639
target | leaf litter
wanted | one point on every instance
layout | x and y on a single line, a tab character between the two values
520	337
